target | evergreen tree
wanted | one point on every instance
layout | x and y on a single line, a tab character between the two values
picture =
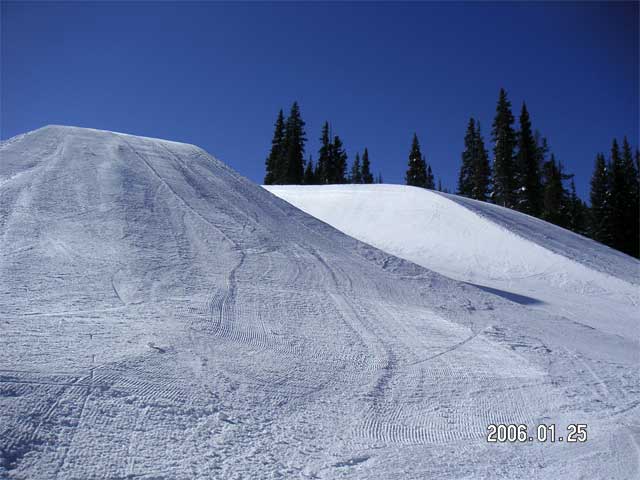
430	183
474	179
356	170
577	211
504	142
439	184
542	148
309	174
338	164
555	196
465	177
481	176
367	177
274	161
618	196
632	220
324	156
600	213
624	200
332	159
527	177
294	147
379	178
542	151
417	172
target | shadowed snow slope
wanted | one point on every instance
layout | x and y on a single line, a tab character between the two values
163	317
511	254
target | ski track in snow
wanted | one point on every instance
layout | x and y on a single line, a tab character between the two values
163	317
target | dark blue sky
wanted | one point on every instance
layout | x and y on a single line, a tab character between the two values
215	74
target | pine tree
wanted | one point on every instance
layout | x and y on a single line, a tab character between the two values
555	196
309	174
379	180
294	147
430	183
474	179
577	211
632	220
542	151
624	200
338	162
324	156
417	172
481	176
619	196
439	185
274	161
356	170
527	170
542	148
465	177
504	142
600	213
367	177
332	159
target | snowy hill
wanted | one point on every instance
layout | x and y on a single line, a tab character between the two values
163	317
514	255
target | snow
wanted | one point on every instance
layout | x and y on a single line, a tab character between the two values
520	257
163	317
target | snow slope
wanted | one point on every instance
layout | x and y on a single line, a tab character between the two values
163	317
514	255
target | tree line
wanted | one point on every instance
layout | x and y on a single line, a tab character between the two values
525	176
285	164
615	199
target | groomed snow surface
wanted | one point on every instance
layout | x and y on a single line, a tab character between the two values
522	258
163	317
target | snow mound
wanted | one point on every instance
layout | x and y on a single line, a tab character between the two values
532	261
163	317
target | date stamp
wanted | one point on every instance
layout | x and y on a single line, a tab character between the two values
520	433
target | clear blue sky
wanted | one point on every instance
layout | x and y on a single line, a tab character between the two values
215	74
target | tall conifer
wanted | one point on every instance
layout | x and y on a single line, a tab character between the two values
356	170
274	162
527	178
465	177
474	179
481	176
338	162
618	197
503	137
309	174
555	197
633	212
295	139
367	177
324	156
417	171
624	200
577	211
600	218
430	183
